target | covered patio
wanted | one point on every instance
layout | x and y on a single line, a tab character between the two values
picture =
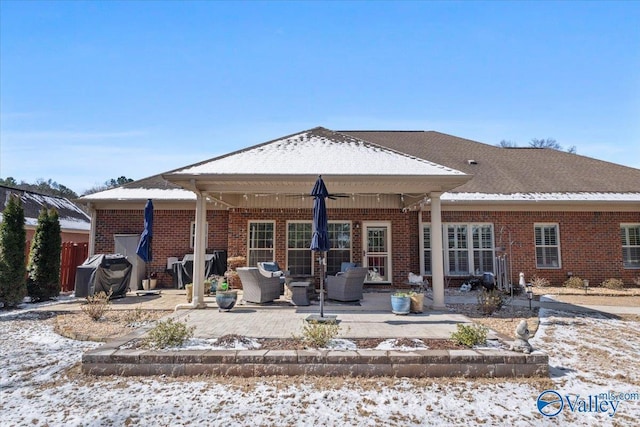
281	173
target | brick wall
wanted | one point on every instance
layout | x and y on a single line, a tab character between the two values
171	233
590	241
590	245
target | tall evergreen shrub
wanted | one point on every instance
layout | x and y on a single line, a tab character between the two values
44	260
13	270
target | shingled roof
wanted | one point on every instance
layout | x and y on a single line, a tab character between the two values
71	217
510	170
498	173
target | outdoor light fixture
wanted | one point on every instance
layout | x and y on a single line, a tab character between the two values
529	293
585	284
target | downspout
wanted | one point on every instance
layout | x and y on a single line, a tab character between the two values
197	300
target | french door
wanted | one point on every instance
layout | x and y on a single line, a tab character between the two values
377	251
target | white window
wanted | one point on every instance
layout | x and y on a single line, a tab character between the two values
630	239
192	237
261	242
340	238
462	258
300	257
547	240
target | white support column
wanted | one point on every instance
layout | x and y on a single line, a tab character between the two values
437	260
199	251
92	233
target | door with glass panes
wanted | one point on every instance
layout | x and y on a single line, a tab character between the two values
377	251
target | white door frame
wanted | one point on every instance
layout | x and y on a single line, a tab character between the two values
388	254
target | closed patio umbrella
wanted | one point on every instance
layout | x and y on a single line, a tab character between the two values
320	239
144	246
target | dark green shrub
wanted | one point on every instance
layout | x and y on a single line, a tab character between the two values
13	270
43	282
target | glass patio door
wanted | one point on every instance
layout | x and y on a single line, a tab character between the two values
377	251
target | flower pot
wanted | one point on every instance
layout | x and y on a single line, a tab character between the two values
153	283
226	300
145	284
400	304
417	303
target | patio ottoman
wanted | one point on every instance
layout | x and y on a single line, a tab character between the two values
299	295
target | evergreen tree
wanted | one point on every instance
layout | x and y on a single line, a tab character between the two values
44	260
13	287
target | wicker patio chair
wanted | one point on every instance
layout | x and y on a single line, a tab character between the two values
256	287
347	286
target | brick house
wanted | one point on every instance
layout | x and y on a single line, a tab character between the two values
408	201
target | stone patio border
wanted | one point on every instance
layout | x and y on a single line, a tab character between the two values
111	360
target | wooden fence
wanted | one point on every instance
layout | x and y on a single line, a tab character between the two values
71	256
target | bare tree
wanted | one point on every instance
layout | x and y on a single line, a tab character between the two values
507	144
551	143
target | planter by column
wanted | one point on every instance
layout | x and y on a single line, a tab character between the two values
417	302
226	300
145	284
400	304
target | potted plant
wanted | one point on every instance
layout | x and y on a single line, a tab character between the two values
225	297
400	303
231	275
417	302
153	280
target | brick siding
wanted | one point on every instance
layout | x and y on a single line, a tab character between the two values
589	241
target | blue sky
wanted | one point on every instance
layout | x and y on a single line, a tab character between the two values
94	90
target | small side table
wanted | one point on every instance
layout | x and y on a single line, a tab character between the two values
299	294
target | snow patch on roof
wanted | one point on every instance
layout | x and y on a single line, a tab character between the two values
311	153
121	193
542	197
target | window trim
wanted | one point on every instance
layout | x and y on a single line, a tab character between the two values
558	246
192	235
313	264
624	245
470	249
261	221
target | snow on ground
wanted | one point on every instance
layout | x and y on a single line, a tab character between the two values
40	385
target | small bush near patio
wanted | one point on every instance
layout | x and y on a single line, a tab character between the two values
97	305
574	282
470	335
169	333
540	282
613	284
318	335
489	301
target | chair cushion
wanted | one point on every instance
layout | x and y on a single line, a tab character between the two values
271	266
346	266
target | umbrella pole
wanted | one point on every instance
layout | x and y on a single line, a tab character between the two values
321	284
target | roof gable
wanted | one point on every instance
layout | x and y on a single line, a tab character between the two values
318	151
